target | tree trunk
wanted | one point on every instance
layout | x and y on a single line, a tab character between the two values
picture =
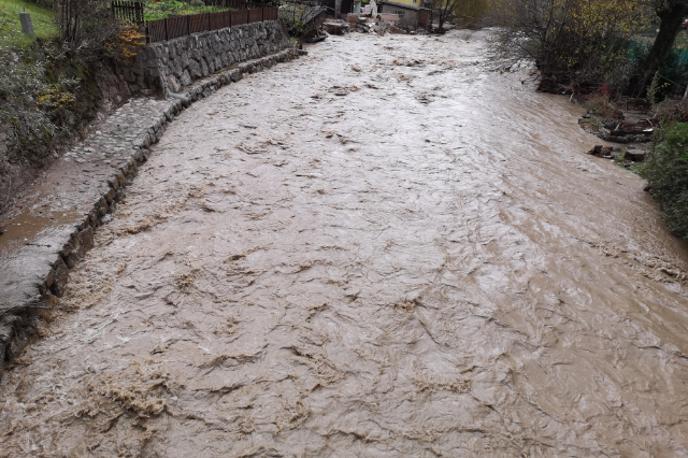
671	19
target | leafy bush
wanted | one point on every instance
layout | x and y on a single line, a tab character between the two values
47	94
50	89
472	13
669	111
85	24
21	80
160	9
576	43
127	44
667	175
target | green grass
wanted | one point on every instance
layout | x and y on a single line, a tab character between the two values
43	21
166	8
667	174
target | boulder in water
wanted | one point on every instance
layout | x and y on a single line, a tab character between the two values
335	27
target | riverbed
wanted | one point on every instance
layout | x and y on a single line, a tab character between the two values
392	246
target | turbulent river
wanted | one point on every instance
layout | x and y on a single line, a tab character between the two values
384	248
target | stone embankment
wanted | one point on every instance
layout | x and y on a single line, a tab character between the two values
51	231
174	65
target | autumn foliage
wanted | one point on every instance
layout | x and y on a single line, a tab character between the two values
577	43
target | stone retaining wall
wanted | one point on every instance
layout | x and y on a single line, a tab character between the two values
170	66
89	180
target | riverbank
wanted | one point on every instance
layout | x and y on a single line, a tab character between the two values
53	226
49	96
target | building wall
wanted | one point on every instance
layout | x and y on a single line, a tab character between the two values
407	17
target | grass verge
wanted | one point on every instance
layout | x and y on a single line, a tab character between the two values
667	175
43	20
166	8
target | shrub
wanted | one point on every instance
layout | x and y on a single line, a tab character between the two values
667	173
85	23
579	43
670	110
472	13
50	89
21	80
127	44
161	9
47	94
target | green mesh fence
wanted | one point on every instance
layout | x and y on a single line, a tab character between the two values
674	72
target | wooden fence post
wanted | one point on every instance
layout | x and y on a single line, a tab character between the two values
172	27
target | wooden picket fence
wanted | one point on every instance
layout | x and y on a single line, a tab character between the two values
234	4
178	26
128	11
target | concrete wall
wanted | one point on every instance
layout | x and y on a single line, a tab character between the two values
408	17
170	66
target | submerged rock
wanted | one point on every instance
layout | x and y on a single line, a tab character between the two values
618	153
335	27
605	152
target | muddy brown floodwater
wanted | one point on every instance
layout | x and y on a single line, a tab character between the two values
382	249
